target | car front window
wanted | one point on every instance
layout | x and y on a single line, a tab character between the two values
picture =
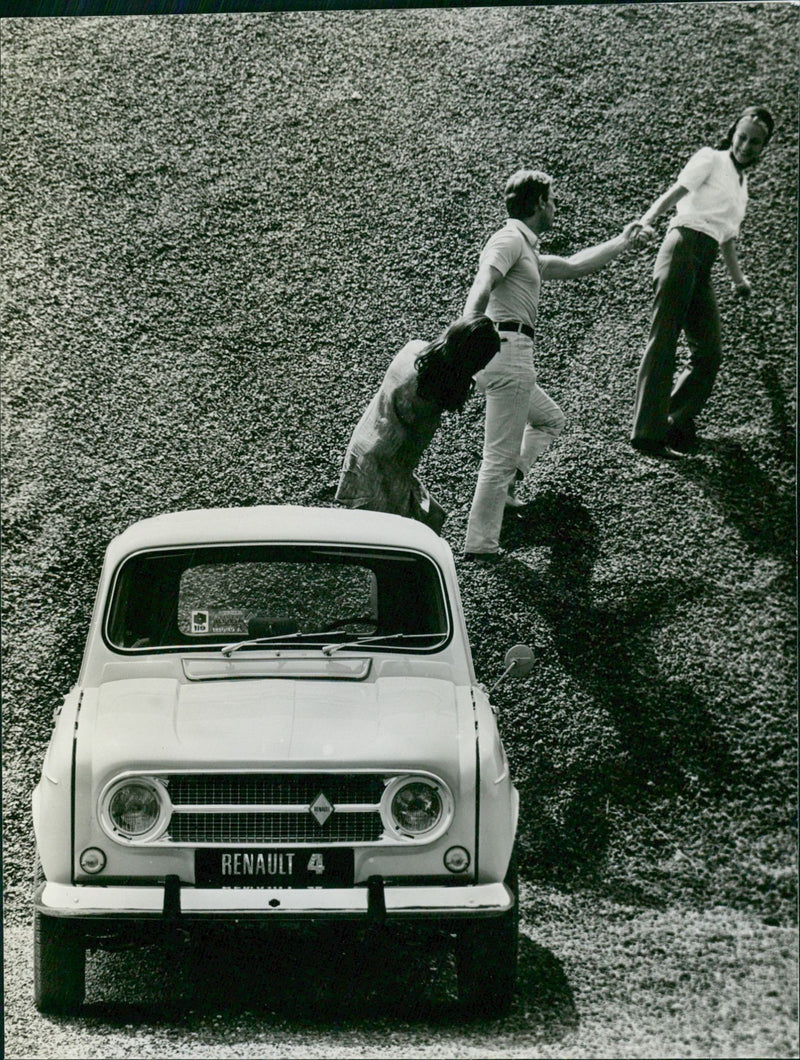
292	596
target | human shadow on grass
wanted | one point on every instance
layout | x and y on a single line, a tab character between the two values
782	420
763	514
320	977
666	732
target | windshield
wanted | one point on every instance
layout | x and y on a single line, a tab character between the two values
289	596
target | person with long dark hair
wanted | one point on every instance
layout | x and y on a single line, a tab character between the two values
423	381
710	197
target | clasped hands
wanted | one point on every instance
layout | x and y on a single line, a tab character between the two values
638	233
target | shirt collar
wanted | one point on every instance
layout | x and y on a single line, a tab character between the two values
739	170
532	238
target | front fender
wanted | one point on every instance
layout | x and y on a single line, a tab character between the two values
52	796
499	800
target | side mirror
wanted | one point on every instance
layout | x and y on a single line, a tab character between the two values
519	660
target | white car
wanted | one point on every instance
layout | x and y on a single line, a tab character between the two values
276	719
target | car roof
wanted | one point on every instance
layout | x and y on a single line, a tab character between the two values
275	523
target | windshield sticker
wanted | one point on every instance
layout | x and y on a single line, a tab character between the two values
214	621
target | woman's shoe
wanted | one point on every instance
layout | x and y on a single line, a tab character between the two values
682	437
660	450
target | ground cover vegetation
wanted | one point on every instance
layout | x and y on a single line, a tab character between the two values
218	230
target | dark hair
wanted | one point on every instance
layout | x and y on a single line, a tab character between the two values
760	114
446	366
525	190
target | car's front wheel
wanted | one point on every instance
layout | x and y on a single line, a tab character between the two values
486	959
59	965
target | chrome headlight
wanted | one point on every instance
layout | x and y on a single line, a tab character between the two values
136	808
417	807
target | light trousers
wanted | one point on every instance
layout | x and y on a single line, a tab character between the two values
521	422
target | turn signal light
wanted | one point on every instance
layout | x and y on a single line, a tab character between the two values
92	860
456	859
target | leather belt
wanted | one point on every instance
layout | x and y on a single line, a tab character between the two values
515	325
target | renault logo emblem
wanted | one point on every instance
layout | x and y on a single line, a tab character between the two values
321	809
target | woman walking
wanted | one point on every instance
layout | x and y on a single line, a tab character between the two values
423	380
710	196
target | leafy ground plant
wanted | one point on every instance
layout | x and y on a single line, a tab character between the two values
218	230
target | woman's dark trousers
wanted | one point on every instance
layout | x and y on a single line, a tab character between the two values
684	301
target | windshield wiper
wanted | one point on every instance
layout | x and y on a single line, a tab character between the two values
254	642
368	639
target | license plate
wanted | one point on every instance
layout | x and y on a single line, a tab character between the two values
274	868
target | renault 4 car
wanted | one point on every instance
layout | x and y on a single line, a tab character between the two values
276	720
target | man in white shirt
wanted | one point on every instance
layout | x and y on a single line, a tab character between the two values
521	419
710	196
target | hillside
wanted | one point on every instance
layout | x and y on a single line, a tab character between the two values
217	231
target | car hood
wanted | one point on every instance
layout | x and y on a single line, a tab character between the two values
392	722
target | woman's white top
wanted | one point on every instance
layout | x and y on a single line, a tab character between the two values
717	197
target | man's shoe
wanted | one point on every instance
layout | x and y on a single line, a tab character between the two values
511	501
682	437
485	557
660	450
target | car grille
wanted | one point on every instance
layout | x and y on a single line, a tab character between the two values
274	828
274	808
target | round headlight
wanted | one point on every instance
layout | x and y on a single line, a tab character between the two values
417	807
135	808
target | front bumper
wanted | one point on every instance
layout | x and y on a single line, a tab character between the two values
373	902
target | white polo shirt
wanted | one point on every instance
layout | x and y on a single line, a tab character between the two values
717	197
514	251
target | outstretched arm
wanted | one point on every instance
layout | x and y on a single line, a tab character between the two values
486	279
663	204
586	261
741	285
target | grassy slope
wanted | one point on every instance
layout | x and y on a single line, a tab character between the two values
219	228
